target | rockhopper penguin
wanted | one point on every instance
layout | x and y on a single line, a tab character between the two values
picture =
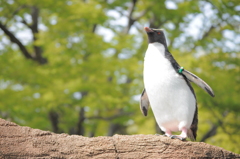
168	89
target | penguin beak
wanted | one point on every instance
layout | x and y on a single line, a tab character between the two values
147	29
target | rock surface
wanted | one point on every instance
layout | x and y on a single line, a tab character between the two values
24	142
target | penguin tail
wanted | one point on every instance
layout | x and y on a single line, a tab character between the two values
190	135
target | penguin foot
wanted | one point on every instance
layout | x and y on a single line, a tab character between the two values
177	137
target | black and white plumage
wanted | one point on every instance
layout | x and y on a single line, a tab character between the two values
168	90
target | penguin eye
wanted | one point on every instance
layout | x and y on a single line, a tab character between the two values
158	33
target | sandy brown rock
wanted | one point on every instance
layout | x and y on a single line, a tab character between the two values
24	142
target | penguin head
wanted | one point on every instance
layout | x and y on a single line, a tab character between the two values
156	35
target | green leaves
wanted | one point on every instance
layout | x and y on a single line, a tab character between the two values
91	85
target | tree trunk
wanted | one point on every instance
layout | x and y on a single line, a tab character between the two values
24	142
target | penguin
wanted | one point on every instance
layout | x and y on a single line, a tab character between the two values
167	89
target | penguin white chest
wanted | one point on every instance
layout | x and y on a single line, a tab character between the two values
170	97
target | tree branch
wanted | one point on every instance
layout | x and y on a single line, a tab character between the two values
11	16
115	128
111	117
208	32
25	22
53	116
34	27
80	126
18	9
214	127
210	133
13	39
156	22
132	20
37	56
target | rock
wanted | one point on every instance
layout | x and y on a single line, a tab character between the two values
24	142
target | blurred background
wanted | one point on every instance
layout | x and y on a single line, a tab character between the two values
75	66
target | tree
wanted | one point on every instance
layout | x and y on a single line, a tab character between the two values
79	70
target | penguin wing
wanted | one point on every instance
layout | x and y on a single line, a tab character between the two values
144	102
198	81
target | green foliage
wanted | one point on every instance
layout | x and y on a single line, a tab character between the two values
100	72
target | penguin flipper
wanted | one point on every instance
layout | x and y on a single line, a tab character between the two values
144	103
198	81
